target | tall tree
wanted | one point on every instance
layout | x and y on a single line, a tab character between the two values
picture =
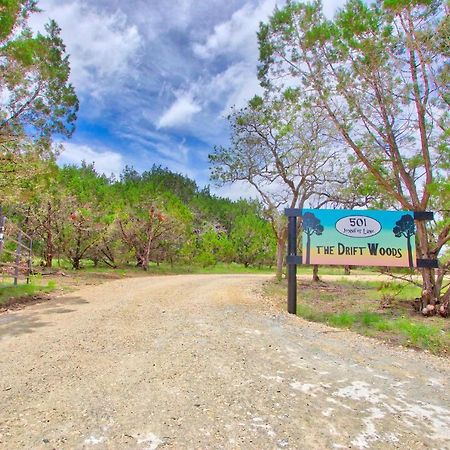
37	99
380	74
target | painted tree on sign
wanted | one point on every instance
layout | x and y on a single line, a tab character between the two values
405	227
311	225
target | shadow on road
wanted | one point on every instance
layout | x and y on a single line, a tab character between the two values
29	320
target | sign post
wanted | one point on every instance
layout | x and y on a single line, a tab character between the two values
352	237
292	267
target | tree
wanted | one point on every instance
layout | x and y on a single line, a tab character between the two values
310	225
34	73
380	74
37	98
140	229
284	152
253	240
48	212
151	221
165	180
84	197
213	245
405	227
82	232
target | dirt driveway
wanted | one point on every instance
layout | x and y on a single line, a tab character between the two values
204	362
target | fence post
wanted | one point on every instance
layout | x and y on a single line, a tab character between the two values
18	254
30	261
2	229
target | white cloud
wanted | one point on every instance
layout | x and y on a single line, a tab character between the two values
149	75
236	39
238	34
236	191
101	45
105	161
330	7
180	112
239	82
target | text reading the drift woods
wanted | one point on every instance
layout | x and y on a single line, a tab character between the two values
371	249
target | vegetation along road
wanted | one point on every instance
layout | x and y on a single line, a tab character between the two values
205	361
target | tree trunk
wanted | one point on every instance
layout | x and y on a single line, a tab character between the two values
281	243
410	260
429	294
316	278
49	251
76	263
308	250
145	259
445	302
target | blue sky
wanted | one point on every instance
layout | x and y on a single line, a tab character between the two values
156	79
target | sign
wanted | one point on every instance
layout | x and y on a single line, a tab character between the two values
349	237
358	238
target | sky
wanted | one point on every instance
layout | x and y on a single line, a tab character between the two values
156	79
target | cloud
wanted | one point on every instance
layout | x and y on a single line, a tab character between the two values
101	44
180	112
105	161
330	7
236	40
238	34
155	81
235	191
237	84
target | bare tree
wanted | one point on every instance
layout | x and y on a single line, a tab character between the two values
284	152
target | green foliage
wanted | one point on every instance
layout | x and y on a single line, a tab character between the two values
213	246
39	100
157	217
253	241
35	72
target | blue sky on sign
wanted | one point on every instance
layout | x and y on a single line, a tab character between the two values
156	79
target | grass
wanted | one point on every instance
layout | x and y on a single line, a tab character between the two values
382	310
178	268
9	292
220	268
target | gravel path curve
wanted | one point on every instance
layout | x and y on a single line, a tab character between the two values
205	362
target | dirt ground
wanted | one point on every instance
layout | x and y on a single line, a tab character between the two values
205	362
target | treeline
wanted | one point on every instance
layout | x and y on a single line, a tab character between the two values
76	214
158	216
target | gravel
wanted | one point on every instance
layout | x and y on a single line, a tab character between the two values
206	362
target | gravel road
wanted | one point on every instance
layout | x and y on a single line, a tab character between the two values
205	362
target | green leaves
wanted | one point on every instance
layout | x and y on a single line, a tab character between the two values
13	13
35	72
